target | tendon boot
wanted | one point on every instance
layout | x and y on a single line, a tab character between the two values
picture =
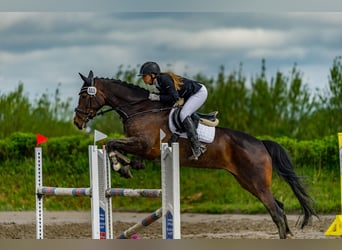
196	146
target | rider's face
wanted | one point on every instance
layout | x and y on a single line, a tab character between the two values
147	79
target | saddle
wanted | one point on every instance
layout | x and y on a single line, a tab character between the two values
208	119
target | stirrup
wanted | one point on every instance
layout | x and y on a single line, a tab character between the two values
203	148
195	157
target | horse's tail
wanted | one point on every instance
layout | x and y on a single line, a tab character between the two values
282	164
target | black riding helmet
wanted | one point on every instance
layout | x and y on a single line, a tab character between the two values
149	68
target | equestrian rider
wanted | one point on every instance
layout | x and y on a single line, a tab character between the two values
172	89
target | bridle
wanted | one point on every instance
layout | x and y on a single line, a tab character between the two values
92	91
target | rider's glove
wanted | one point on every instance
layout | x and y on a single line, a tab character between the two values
154	97
179	103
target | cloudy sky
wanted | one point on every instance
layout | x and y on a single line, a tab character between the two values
43	49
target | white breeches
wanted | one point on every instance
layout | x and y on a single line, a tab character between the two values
194	103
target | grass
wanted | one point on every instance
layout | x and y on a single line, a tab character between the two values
202	190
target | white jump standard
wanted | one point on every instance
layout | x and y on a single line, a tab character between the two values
101	194
100	203
170	210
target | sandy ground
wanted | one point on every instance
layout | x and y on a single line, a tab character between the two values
77	225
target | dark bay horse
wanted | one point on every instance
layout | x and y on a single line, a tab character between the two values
248	159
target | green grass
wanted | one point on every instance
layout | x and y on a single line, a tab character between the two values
202	190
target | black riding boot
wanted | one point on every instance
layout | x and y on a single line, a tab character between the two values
196	146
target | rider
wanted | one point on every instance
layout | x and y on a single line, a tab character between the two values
173	89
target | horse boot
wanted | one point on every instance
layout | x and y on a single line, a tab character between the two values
196	146
116	165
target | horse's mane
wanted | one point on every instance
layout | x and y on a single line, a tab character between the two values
138	92
136	88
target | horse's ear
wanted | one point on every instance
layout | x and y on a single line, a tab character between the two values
85	79
90	75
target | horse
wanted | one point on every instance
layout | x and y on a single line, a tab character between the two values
250	160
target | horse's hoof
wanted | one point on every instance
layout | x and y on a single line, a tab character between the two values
115	164
125	172
289	234
116	167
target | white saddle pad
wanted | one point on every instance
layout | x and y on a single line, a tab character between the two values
205	133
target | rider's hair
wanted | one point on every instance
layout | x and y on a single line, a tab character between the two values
177	80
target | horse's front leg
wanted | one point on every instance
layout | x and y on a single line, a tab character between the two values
120	162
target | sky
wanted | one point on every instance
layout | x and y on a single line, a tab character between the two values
43	49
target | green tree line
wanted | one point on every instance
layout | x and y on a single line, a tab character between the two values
47	114
280	105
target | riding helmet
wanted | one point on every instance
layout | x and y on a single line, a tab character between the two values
149	68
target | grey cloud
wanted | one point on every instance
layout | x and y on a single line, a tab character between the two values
176	5
53	47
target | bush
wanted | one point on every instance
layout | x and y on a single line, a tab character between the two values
65	164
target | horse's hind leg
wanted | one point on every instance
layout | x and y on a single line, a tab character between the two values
276	212
281	205
260	189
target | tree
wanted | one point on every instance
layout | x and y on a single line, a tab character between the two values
229	95
326	119
18	114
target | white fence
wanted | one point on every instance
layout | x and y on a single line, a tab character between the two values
101	194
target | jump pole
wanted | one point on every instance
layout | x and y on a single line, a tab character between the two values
170	193
127	234
335	228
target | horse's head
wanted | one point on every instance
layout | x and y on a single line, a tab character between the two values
125	98
90	101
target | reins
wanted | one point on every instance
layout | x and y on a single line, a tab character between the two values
118	109
127	117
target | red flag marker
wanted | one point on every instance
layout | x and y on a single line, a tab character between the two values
41	139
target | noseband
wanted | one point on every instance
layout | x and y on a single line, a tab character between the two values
91	91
